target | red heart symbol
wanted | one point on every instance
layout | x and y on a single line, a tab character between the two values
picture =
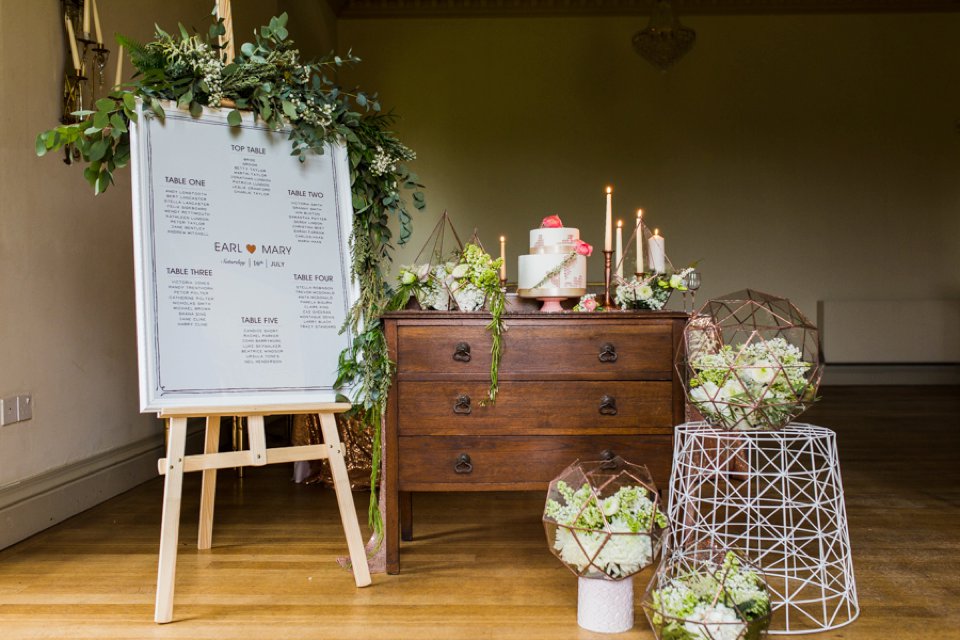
251	248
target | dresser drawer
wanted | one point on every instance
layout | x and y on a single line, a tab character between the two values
573	350
535	408
479	463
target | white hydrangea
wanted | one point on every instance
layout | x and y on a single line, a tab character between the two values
469	298
714	622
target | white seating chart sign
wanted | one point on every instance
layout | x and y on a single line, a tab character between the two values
242	263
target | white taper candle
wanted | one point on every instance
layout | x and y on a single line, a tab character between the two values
619	253
608	223
640	268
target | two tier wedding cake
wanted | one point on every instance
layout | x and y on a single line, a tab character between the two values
556	266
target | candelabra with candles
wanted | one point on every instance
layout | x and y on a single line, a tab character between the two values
84	80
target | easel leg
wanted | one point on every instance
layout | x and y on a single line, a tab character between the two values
208	493
170	526
348	514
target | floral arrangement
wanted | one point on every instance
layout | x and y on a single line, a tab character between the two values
713	602
473	280
610	534
752	387
651	292
588	302
469	279
268	78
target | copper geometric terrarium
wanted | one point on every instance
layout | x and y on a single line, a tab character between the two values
750	361
707	594
603	518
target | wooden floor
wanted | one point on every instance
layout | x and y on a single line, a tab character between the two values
479	567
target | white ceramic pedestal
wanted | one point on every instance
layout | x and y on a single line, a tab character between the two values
605	606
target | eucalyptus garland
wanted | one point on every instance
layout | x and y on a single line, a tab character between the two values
269	79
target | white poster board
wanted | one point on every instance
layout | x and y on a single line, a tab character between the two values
242	263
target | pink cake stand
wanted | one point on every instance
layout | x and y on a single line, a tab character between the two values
551	305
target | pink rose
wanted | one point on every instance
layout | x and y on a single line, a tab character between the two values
551	222
589	304
583	248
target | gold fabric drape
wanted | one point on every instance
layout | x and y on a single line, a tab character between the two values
357	447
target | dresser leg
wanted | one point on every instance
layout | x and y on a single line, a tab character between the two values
406	516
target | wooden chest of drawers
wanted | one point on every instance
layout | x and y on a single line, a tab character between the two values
571	386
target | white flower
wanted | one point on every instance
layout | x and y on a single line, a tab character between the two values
611	505
644	292
719	621
731	388
704	393
573	544
469	298
407	277
460	271
625	554
676	281
762	372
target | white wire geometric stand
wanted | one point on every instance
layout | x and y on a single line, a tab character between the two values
778	497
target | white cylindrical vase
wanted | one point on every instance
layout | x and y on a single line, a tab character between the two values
605	606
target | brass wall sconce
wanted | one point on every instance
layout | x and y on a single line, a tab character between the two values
83	80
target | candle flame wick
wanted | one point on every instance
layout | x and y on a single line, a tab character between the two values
609	189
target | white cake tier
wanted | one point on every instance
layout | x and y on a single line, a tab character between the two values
571	281
557	240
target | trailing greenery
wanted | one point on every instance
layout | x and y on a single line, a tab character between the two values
467	281
269	79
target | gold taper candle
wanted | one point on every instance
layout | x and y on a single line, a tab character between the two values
503	258
86	18
96	23
73	43
119	75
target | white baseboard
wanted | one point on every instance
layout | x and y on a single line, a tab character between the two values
891	374
34	504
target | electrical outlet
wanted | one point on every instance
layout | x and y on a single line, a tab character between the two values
8	411
24	407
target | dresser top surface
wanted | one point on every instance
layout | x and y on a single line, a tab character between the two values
603	316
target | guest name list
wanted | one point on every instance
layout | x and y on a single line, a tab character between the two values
248	259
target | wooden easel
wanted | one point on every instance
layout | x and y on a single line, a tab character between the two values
176	464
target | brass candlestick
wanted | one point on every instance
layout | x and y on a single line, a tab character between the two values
607	257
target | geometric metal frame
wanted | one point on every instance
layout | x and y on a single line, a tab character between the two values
778	497
757	392
602	480
689	566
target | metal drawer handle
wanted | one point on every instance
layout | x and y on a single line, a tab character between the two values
462	405
608	353
463	464
609	459
461	352
608	406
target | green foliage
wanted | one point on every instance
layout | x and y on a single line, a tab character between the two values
268	79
